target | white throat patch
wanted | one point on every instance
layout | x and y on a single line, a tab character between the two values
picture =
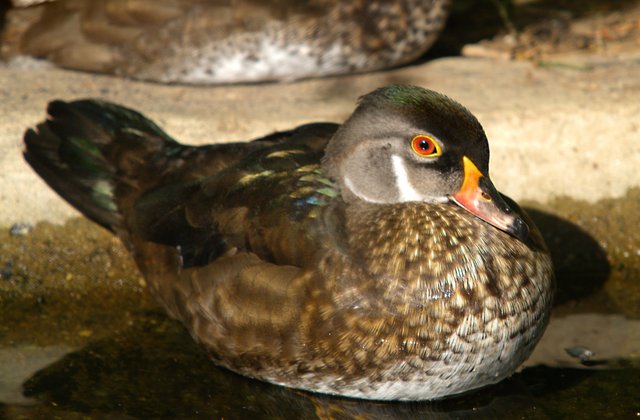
405	189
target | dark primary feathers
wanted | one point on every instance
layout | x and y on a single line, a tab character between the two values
109	161
337	259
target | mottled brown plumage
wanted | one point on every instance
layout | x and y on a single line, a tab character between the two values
288	269
220	41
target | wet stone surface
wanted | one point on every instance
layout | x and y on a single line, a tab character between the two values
66	284
81	337
596	251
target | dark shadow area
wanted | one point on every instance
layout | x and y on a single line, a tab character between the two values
471	21
468	23
154	370
4	7
581	265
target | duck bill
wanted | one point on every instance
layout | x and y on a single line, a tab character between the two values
478	196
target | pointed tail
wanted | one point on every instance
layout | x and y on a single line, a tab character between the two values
96	154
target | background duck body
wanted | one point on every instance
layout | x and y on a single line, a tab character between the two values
221	41
258	252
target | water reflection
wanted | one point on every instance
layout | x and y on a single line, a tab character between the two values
155	370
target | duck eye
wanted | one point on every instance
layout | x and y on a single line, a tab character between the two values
425	146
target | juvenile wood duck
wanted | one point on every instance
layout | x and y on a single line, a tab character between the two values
225	41
373	259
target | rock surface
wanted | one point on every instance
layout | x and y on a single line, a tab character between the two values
570	129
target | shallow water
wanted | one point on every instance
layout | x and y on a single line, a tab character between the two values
81	338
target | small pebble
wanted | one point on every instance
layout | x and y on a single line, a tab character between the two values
85	333
580	352
6	272
20	229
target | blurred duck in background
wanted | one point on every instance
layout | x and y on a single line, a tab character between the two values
223	41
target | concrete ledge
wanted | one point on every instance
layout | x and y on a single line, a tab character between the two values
556	131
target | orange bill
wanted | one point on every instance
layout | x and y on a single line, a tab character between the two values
478	195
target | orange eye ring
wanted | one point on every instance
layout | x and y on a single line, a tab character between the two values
425	146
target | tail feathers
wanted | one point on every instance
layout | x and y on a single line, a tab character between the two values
91	152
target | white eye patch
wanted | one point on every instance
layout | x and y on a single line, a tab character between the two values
406	192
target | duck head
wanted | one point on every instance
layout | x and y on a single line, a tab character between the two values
405	143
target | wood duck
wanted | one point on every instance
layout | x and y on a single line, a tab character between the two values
373	259
225	41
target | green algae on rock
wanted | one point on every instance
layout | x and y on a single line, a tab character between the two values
65	284
600	274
